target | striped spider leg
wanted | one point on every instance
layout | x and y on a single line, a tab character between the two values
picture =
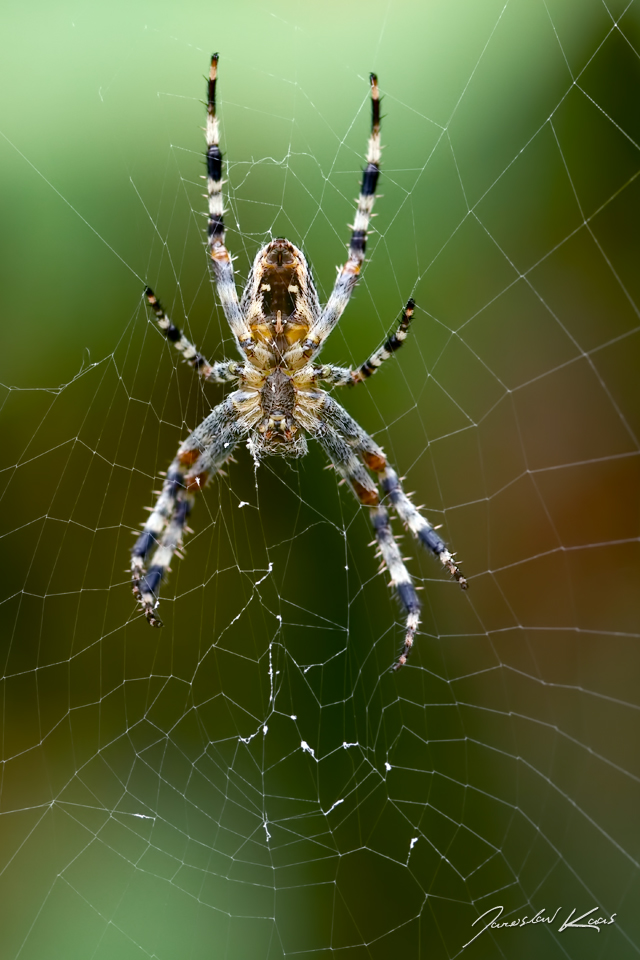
199	458
204	452
224	371
196	462
353	453
349	273
220	261
345	376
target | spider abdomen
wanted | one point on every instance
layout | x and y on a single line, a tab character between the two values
280	303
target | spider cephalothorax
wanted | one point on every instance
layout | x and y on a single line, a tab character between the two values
279	327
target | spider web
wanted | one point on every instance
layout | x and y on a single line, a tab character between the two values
253	781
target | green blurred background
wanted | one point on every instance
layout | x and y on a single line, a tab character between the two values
156	799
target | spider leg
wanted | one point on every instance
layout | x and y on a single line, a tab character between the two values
353	451
419	526
350	466
400	578
349	272
221	265
374	458
162	536
389	347
341	376
199	458
219	372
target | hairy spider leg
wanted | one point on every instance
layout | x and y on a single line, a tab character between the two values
219	372
162	535
400	578
352	449
221	265
146	581
199	458
389	347
342	376
349	272
376	461
350	466
419	526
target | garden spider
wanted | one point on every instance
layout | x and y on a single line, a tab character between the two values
279	328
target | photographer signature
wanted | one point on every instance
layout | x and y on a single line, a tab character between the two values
571	922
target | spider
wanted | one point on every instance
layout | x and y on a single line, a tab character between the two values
279	328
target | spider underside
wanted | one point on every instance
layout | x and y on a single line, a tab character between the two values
280	327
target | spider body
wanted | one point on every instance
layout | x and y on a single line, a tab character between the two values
279	328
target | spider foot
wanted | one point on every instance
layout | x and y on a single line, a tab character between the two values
144	590
413	621
150	615
446	559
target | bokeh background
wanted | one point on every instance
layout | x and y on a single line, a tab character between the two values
252	781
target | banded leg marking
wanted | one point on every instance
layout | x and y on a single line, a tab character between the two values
343	376
392	559
199	458
165	516
170	542
352	449
350	465
393	343
369	181
419	526
348	274
215	372
215	228
400	578
221	265
373	456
